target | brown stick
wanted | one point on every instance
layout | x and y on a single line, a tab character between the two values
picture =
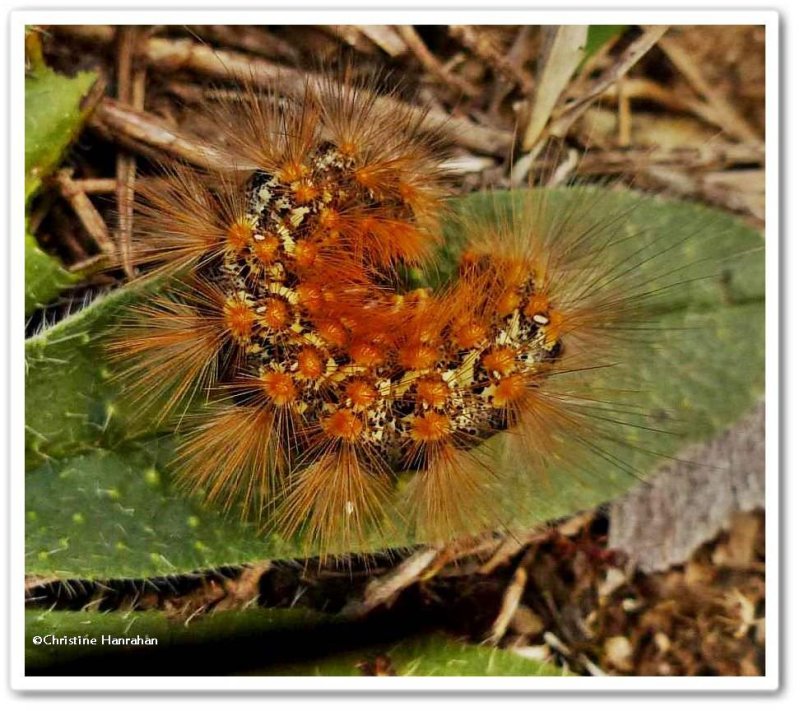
149	135
88	215
432	64
385	37
383	590
92	186
351	35
625	118
250	39
511	598
708	157
126	162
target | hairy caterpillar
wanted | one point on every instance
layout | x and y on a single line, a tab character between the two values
323	377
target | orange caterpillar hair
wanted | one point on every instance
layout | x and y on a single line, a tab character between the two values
322	379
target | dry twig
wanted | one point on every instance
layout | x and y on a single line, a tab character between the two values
432	64
382	590
131	91
512	597
351	35
385	37
86	212
151	136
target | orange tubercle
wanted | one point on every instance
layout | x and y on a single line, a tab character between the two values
418	356
538	304
360	393
265	249
507	302
509	390
372	177
343	424
430	427
469	334
332	332
239	319
433	393
515	271
367	354
239	235
347	148
276	314
309	296
329	218
305	254
292	171
279	387
304	192
554	329
310	364
499	360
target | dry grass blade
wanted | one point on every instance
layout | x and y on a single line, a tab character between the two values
566	116
562	54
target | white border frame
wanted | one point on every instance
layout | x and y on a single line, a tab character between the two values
19	19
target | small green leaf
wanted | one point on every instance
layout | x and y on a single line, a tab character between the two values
53	118
704	369
71	397
45	278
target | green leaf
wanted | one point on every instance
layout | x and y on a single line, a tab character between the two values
71	397
107	514
53	118
45	278
254	642
704	369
